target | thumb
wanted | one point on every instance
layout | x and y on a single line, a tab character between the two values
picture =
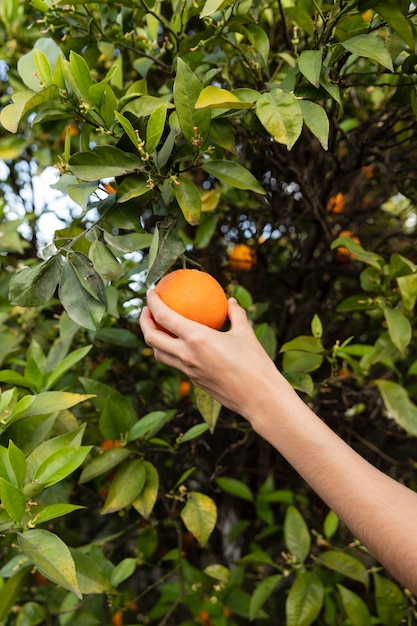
237	314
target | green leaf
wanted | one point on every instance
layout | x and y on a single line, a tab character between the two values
148	425
304	600
51	557
194	123
46	402
296	534
10	592
127	126
218	572
267	337
81	76
103	162
233	174
188	198
167	249
199	516
102	96
398	404
399	328
193	432
304	343
315	118
17	464
129	242
356	609
213	97
371	258
259	40
91	577
330	524
208	406
400	23
123	570
103	464
301	362
408	290
125	487
389	600
280	114
309	63
43	451
81	306
371	47
345	564
35	286
53	511
60	464
262	592
145	502
155	128
24	102
211	6
104	261
43	68
64	366
235	487
32	66
13	500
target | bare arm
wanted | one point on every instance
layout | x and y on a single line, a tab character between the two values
381	512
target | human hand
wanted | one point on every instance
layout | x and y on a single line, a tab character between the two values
231	366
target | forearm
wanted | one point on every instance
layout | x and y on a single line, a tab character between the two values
379	511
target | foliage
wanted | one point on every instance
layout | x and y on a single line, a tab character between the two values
179	129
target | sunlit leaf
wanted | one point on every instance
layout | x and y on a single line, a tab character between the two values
194	123
188	198
280	113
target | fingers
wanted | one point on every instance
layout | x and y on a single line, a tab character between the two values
237	315
168	319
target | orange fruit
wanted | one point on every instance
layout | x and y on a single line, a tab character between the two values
107	444
117	619
343	255
336	203
241	257
109	188
184	388
196	295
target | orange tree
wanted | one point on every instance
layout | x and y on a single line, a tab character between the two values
178	130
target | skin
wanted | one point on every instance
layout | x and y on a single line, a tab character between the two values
378	510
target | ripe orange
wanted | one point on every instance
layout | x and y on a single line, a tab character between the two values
241	257
184	388
117	619
343	255
195	295
336	203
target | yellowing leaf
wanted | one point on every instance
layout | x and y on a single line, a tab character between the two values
145	502
215	97
208	407
199	516
51	557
